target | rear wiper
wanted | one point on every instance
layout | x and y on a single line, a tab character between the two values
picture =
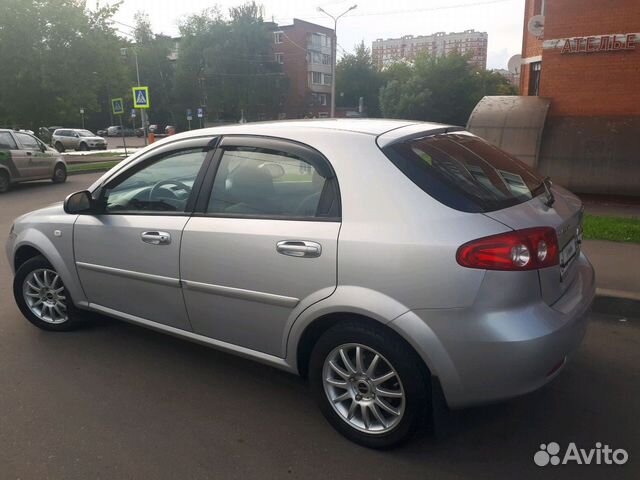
546	183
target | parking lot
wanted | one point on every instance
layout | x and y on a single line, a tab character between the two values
117	401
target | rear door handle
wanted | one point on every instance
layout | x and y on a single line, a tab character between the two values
299	248
156	238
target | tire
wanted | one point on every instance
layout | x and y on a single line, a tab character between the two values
83	147
59	174
49	319
5	182
384	429
59	147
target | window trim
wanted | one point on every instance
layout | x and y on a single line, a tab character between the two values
305	152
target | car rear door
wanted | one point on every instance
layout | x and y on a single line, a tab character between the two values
127	257
263	240
33	161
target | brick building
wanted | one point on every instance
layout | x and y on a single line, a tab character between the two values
305	51
580	77
386	52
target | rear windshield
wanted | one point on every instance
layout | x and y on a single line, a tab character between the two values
465	172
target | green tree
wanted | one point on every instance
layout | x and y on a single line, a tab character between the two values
155	69
356	76
228	65
56	57
439	89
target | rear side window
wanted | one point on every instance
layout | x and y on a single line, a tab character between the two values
7	142
258	182
465	172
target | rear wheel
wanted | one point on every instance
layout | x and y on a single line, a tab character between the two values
59	174
369	385
42	296
59	147
4	182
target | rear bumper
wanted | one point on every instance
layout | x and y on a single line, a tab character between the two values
482	354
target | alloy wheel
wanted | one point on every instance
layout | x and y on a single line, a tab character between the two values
364	388
44	294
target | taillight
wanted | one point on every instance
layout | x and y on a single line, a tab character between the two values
526	249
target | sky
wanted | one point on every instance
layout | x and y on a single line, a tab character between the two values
372	19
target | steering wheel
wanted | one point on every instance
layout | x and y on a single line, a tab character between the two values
156	189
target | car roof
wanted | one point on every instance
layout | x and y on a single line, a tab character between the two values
366	126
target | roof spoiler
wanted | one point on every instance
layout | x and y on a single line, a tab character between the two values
412	132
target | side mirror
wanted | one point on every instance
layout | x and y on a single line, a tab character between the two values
80	203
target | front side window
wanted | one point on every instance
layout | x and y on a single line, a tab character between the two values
27	141
466	173
165	185
259	182
7	142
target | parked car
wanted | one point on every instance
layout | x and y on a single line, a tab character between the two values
77	139
23	157
385	260
117	131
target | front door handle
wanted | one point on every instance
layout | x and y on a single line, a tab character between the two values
299	248
156	238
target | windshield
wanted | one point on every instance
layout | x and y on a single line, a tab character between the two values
466	173
85	133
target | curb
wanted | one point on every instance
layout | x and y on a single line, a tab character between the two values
617	302
82	172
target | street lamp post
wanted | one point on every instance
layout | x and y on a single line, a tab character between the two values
334	52
143	113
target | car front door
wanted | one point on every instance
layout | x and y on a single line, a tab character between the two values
263	240
35	162
127	257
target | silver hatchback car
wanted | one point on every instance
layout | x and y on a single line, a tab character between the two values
384	260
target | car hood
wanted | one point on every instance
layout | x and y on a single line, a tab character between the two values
54	212
94	139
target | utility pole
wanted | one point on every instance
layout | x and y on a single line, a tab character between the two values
143	113
334	54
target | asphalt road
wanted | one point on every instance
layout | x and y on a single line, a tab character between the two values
115	401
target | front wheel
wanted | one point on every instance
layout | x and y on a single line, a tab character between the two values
42	296
59	174
369	384
83	147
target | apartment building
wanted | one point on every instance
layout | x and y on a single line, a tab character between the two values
391	50
305	51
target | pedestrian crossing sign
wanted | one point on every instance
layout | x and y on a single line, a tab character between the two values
141	97
117	105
